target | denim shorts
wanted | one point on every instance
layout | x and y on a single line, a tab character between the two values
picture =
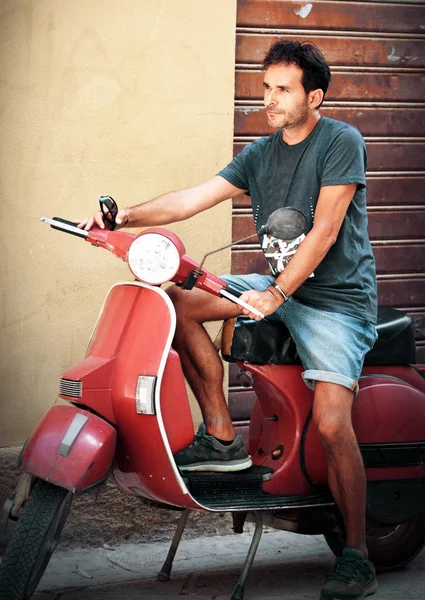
331	345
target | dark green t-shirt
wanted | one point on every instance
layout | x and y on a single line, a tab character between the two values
278	175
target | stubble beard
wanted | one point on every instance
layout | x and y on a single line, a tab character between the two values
289	120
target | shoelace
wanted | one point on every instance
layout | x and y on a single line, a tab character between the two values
346	569
198	437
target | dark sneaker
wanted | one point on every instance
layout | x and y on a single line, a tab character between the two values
206	453
353	578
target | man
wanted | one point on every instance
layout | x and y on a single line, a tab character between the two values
326	294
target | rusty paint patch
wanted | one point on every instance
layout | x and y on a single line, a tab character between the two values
247	110
392	57
304	11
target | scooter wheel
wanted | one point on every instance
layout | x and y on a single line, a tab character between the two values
34	540
390	546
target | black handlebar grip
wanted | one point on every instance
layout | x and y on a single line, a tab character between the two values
233	291
82	234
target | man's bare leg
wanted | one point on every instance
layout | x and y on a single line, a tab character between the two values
346	474
202	366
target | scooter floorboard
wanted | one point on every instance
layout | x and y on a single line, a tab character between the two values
243	491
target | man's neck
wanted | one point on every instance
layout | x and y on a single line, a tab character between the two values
296	135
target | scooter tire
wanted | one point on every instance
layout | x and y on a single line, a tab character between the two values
35	537
390	547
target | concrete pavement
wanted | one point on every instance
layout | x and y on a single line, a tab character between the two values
287	566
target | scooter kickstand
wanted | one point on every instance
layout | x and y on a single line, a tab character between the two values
164	574
240	586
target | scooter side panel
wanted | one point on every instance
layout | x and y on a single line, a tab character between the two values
389	421
74	464
404	372
388	410
385	411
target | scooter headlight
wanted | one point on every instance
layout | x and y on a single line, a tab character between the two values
153	258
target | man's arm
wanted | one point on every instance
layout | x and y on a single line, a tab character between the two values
170	207
331	209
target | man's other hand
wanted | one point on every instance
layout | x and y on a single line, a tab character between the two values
265	302
96	220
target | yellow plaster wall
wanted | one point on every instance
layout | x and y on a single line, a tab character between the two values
130	98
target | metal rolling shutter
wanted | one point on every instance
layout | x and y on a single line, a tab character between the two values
376	51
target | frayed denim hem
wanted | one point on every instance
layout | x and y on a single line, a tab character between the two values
311	376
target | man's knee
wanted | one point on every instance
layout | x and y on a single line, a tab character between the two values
332	429
332	413
182	303
174	292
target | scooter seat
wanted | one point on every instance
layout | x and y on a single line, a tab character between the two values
396	339
266	342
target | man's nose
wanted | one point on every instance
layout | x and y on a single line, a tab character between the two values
269	98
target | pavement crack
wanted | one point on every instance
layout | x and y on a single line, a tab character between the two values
120	564
185	585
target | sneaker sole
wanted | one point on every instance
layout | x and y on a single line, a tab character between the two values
219	467
372	589
368	592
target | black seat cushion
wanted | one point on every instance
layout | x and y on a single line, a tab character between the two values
265	342
396	342
262	343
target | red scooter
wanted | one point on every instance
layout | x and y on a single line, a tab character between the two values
128	413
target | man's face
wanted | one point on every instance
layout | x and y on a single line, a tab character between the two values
284	96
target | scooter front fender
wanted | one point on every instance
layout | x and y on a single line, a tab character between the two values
71	448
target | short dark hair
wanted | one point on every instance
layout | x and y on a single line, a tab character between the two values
316	72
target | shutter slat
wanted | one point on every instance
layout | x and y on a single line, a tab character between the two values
349	16
371	121
363	87
340	51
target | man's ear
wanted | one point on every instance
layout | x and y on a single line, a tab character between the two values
316	98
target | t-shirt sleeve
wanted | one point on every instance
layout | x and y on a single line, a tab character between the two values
236	172
346	160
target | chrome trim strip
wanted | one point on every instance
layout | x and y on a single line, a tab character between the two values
71	434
